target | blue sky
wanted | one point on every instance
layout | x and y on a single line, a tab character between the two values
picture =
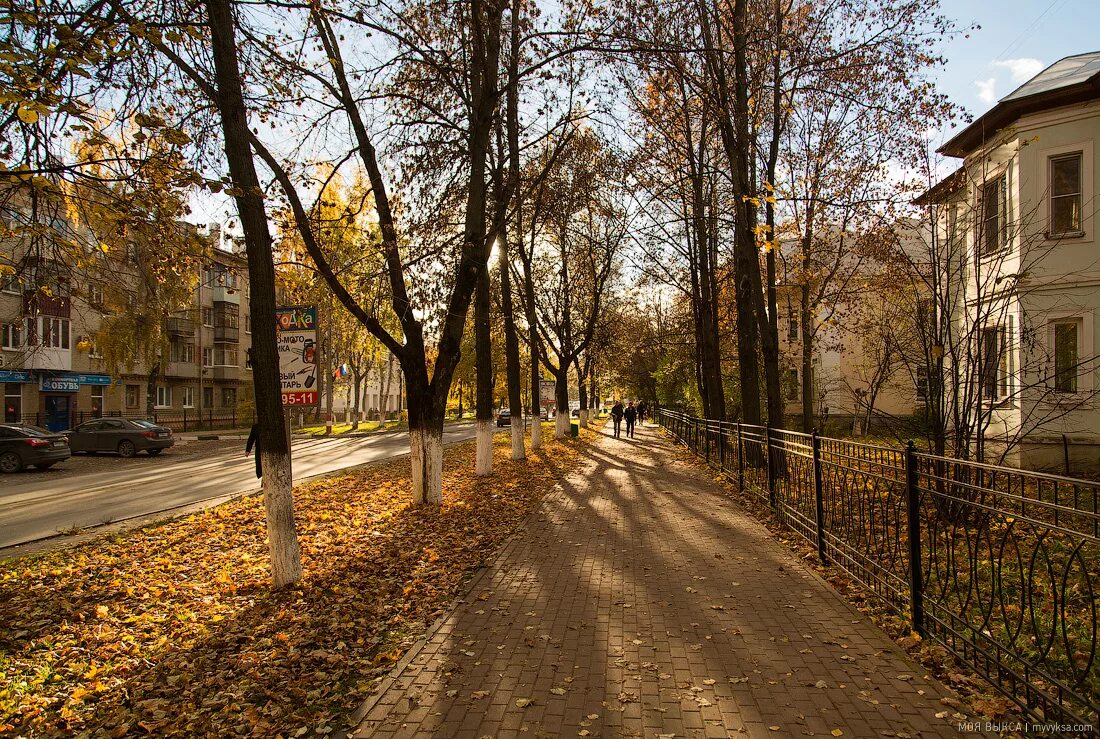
1017	39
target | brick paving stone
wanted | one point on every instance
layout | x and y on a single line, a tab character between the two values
659	606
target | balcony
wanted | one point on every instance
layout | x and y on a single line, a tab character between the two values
180	327
183	370
225	372
227	333
48	358
223	294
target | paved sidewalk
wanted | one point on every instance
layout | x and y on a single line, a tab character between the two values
642	601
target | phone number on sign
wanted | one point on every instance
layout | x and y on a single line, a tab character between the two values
304	398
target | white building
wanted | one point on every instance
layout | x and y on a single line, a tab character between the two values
1022	206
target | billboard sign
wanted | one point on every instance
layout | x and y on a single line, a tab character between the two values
296	337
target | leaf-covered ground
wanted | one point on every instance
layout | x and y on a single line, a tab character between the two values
172	630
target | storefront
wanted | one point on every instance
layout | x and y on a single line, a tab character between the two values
58	393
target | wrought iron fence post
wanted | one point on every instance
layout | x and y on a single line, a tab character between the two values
819	498
772	500
740	461
916	580
706	440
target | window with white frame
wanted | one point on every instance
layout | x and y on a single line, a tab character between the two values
1066	336
188	396
11	336
97	400
131	396
994	363
53	332
1065	194
164	396
792	329
994	215
229	397
225	356
11	284
207	356
95	294
182	351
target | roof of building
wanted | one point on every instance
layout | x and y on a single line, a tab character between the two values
1073	79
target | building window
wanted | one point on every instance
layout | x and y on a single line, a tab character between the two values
11	335
164	396
131	396
248	323
995	215
208	397
1065	194
13	402
97	400
188	397
921	380
793	388
53	332
207	356
792	330
207	316
182	352
994	364
11	284
1066	356
229	397
225	356
95	294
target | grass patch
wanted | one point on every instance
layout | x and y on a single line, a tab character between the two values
173	630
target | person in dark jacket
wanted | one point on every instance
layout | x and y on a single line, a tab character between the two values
631	414
617	417
254	441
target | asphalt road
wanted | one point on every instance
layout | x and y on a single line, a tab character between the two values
35	505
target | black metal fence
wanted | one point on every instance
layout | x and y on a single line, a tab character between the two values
177	420
998	565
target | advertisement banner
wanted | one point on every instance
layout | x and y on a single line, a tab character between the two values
296	336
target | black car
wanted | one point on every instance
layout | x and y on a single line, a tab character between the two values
21	446
122	435
504	418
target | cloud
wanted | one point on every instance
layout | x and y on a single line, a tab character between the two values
1022	69
987	90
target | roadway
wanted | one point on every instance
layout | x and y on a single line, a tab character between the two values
34	506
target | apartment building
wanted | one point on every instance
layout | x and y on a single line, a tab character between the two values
1022	209
54	312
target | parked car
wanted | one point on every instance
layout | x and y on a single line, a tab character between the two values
21	446
122	435
504	418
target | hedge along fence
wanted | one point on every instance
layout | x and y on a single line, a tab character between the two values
1001	566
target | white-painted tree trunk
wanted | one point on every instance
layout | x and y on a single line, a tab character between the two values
518	452
536	433
582	416
561	425
426	459
484	464
286	562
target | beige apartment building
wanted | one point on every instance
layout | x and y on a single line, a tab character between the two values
51	314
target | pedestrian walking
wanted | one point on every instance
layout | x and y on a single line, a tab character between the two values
254	441
617	412
631	414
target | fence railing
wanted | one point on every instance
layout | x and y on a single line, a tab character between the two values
998	565
177	420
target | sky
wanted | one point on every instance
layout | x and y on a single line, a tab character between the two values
1017	40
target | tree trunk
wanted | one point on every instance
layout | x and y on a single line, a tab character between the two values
561	398
356	379
329	380
483	364
511	355
807	362
151	390
286	568
582	394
